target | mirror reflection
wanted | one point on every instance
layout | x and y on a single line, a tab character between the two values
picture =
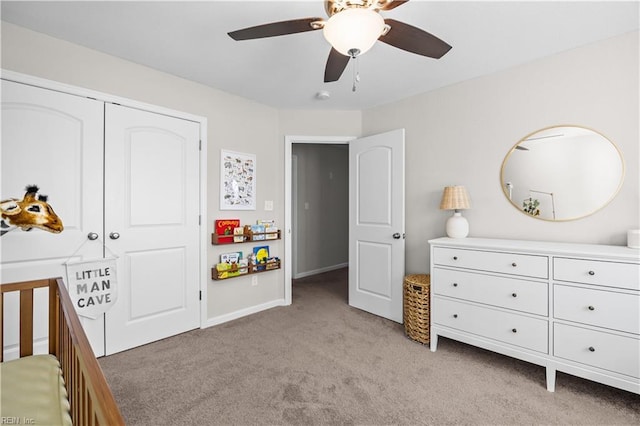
562	173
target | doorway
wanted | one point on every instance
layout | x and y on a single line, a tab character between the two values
290	141
376	226
320	208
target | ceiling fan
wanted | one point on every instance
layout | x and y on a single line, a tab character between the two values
352	28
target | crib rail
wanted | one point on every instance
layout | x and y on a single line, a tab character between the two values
90	397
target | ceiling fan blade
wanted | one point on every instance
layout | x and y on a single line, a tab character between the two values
392	4
275	29
336	64
414	40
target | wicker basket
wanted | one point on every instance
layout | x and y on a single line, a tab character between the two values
416	307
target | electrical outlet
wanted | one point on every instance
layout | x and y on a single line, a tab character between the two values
254	280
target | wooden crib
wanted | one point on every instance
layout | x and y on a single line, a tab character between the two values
89	400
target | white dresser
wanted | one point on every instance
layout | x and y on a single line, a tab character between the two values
568	307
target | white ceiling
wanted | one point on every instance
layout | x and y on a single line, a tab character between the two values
189	39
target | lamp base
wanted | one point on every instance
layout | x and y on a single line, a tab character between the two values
457	226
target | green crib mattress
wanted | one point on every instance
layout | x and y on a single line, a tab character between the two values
32	391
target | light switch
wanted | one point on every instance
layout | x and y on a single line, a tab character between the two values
268	205
306	205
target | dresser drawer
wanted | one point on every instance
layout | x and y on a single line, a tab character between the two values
616	311
526	332
510	293
598	349
610	274
506	263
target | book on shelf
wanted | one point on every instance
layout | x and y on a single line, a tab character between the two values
273	263
271	233
258	232
228	270
238	234
224	229
233	257
260	256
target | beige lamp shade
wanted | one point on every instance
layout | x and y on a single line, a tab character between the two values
455	198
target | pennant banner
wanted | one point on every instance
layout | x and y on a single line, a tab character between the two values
93	286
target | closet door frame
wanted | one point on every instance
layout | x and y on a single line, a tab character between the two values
202	121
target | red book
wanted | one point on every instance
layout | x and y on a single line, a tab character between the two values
225	227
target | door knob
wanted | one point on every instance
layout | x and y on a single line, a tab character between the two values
397	235
92	236
114	235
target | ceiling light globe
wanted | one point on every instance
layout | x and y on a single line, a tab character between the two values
355	28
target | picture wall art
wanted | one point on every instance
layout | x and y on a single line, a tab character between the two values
237	181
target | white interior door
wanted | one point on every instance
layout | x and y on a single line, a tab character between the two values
376	224
53	140
152	225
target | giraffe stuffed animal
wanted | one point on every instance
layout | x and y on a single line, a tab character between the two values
32	211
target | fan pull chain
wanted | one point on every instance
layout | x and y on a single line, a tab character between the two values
356	74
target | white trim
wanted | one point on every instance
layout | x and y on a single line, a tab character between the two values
210	322
288	143
320	270
104	97
294	216
204	224
100	96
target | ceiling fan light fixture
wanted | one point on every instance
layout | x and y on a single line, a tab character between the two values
354	31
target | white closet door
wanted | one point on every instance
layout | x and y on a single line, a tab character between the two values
53	140
152	225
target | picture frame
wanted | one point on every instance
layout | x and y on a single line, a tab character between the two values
237	180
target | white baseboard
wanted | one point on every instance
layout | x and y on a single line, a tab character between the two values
321	270
242	313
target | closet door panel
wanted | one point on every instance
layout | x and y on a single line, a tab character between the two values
152	203
53	140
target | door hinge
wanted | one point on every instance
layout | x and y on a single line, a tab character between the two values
200	145
200	296
199	220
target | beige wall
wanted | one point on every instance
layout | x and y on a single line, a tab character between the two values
233	123
460	135
320	123
455	135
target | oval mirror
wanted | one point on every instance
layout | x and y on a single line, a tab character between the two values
562	173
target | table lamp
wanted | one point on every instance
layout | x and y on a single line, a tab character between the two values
456	198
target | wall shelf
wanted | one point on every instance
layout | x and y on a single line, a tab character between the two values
245	270
248	237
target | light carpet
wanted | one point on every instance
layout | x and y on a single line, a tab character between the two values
321	362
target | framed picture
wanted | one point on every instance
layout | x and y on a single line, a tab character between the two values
237	181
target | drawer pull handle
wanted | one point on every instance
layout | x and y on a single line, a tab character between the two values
514	294
514	264
592	273
455	257
455	284
592	308
455	315
592	349
514	330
